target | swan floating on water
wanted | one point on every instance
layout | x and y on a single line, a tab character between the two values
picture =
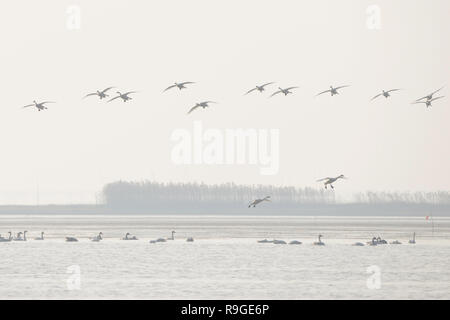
172	237
295	242
9	239
71	239
41	237
265	241
98	237
413	240
319	243
158	240
129	238
190	239
396	242
376	241
358	244
19	236
279	242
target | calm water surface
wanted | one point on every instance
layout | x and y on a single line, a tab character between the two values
224	261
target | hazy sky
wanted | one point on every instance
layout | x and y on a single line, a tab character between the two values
76	146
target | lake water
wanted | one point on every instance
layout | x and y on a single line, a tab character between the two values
225	261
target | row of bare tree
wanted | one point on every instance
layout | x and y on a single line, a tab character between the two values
121	192
438	197
148	192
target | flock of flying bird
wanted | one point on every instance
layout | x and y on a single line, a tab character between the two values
427	100
328	181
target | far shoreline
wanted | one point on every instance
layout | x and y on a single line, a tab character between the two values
220	209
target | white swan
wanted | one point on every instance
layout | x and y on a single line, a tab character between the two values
98	237
413	240
430	96
180	86
203	105
19	236
332	90
428	102
259	88
158	240
9	239
257	201
319	243
384	94
40	106
330	181
124	96
129	238
71	239
101	94
373	242
41	237
284	91
172	237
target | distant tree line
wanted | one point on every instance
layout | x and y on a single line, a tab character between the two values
123	193
439	197
148	193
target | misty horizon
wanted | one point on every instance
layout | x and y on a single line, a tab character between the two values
76	146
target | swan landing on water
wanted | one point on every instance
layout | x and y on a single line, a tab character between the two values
257	201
